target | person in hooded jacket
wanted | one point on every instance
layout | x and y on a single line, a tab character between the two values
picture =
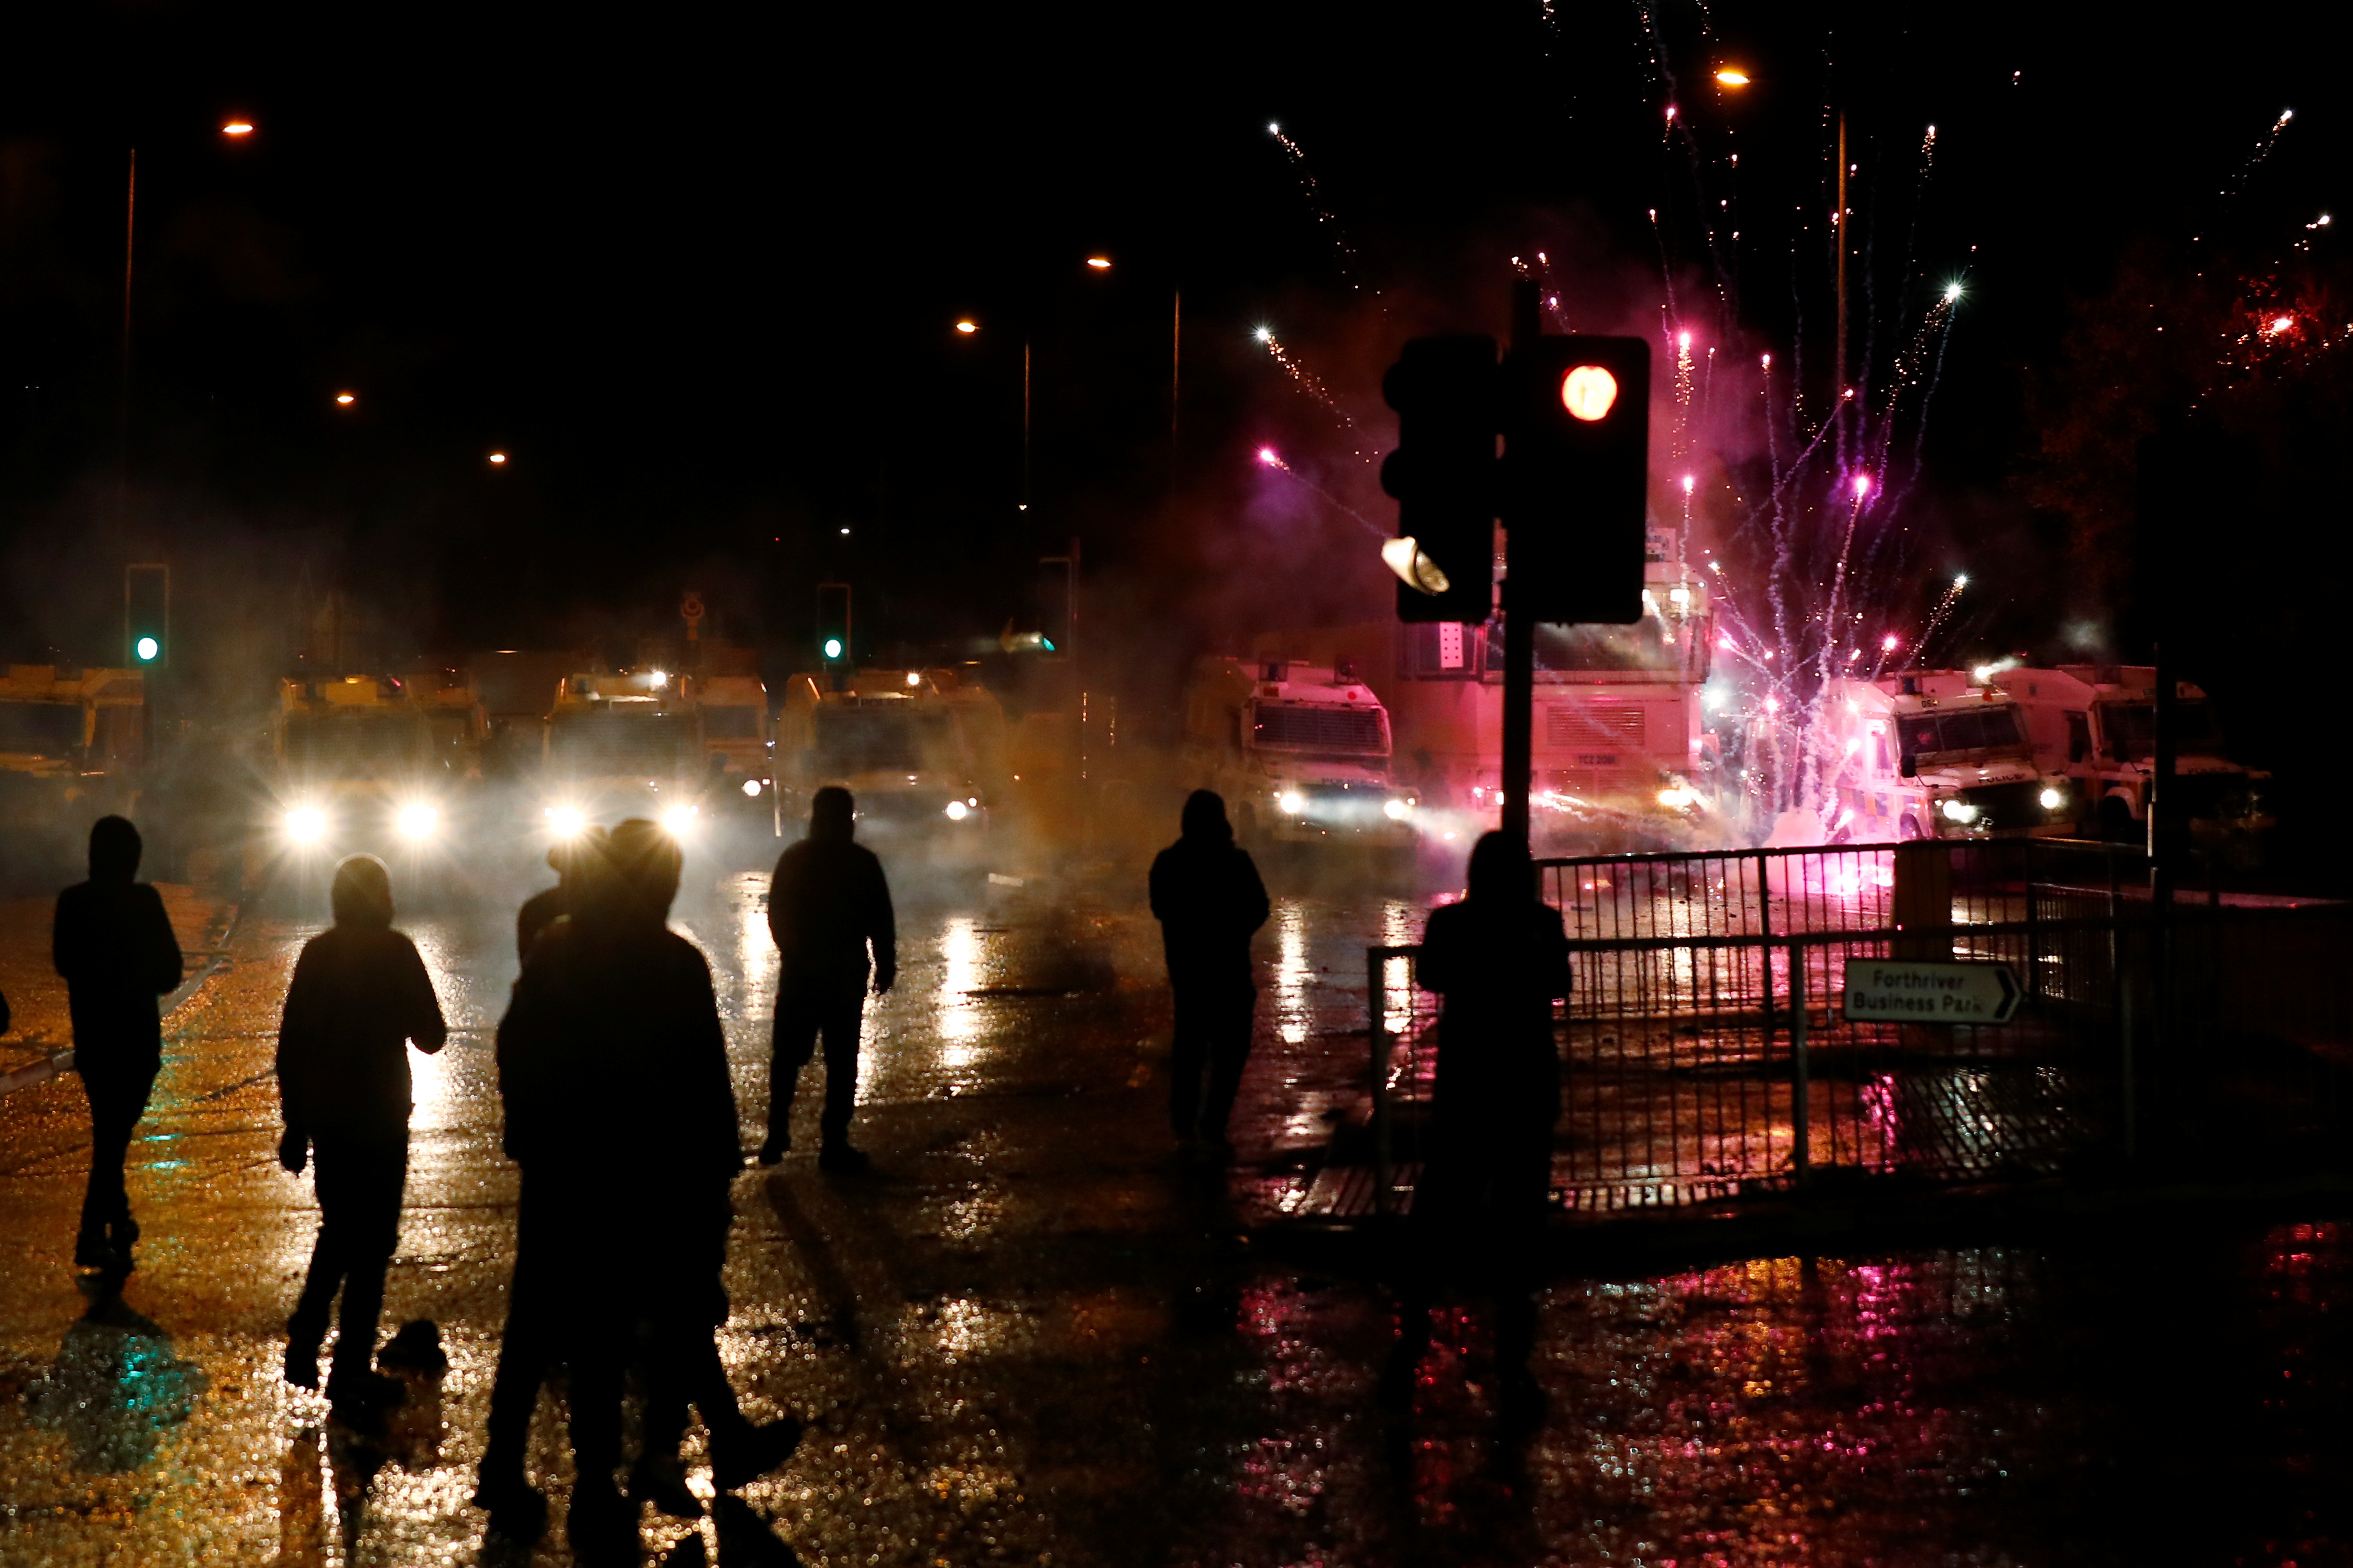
828	904
528	1345
1207	895
113	944
613	1069
1499	958
359	998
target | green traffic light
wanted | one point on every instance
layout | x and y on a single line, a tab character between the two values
833	647
147	649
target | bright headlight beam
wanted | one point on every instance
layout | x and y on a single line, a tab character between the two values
1292	802
565	822
957	811
417	820
677	820
306	825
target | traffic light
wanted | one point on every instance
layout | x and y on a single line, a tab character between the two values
1576	478
1444	476
147	616
833	624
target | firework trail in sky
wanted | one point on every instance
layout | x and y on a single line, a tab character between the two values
1814	529
2263	150
1324	215
1269	458
1305	380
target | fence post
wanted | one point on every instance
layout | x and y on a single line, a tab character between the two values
1801	1155
2120	977
1376	996
1765	952
2034	927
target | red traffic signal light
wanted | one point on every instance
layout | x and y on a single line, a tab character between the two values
1576	417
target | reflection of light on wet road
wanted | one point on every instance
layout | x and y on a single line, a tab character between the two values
1290	973
755	949
431	1076
958	1020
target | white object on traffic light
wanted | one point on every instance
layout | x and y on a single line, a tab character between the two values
1415	570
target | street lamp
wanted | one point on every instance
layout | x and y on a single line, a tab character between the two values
1732	77
238	128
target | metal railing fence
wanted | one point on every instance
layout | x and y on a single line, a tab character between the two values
1706	1055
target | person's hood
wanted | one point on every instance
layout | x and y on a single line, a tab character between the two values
1205	818
362	894
114	849
832	815
1501	872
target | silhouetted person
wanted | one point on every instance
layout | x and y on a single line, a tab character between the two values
530	1344
549	905
1207	895
613	1064
359	998
827	903
113	943
1499	958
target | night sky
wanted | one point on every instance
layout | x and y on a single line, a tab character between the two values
696	271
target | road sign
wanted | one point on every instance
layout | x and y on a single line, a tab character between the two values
1891	991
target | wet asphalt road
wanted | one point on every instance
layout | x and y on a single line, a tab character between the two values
1033	1335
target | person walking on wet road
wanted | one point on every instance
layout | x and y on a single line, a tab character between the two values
1500	958
829	903
359	998
529	1344
613	1066
113	944
1207	895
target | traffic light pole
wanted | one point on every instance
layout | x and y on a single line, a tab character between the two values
1518	779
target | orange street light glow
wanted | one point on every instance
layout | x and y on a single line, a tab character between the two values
1732	76
1099	263
1587	392
498	456
238	128
345	398
967	328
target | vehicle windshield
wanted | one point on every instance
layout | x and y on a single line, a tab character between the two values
1643	645
356	742
610	744
878	739
1975	729
41	729
1354	732
2128	730
737	723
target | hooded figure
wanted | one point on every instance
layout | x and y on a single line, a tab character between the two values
359	998
1499	958
827	903
1208	897
114	945
613	1067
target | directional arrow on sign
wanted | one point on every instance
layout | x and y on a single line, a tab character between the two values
1896	991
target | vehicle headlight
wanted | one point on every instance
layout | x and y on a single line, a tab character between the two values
1396	810
417	820
957	811
1958	811
1677	799
306	825
677	820
1292	802
752	788
564	821
2053	799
